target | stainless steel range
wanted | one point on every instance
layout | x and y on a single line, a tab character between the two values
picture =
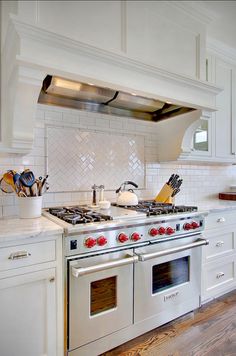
128	270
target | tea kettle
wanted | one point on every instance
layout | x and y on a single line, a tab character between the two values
126	197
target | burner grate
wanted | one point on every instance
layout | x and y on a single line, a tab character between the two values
152	208
78	215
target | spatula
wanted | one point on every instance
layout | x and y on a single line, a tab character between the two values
27	179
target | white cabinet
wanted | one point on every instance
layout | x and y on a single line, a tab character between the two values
28	314
31	305
164	34
222	132
224	119
219	257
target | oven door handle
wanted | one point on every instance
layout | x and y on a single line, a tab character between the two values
81	271
149	256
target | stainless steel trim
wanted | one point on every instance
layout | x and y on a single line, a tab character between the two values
80	271
19	255
115	224
68	93
106	251
149	256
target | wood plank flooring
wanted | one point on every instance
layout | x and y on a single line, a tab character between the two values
209	331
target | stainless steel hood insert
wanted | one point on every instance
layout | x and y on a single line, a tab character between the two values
86	96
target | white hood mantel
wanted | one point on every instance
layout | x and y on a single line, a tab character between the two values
30	53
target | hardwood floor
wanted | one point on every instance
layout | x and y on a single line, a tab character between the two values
210	331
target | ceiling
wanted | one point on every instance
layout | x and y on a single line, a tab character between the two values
223	26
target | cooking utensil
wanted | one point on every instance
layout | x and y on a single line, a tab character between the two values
8	178
27	179
127	197
34	189
5	187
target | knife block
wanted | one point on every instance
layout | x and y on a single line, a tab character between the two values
164	196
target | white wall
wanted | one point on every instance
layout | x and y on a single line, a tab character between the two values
200	183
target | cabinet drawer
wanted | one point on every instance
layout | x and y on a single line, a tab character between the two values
220	244
218	277
26	255
217	220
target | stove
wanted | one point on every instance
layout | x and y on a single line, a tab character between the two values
148	255
88	229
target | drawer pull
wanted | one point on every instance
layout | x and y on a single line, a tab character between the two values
221	220
219	275
219	243
18	255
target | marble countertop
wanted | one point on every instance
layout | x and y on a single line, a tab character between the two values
15	228
214	206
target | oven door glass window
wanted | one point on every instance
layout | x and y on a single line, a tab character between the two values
170	274
103	295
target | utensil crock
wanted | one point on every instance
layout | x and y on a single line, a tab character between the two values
30	207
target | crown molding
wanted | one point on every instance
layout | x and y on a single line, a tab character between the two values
195	9
221	49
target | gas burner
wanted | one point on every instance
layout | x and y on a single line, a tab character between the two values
78	215
152	208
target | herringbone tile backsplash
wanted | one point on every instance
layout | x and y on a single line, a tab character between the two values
77	159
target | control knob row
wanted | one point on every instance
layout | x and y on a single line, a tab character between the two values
102	240
192	225
91	241
122	237
161	231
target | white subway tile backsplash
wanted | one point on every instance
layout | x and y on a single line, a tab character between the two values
102	123
55	115
87	121
200	183
11	210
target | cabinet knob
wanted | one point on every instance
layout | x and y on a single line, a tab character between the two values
221	220
51	280
220	275
219	243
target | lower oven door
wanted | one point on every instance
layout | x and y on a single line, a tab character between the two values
167	279
100	296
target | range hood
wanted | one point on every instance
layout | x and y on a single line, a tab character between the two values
39	66
87	96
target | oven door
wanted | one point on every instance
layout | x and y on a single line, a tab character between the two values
100	296
167	279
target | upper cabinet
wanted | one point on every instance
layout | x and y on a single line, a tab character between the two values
162	34
166	35
222	72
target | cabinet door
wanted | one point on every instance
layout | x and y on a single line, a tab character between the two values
223	117
28	314
202	139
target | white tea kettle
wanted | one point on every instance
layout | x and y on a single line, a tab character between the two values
126	197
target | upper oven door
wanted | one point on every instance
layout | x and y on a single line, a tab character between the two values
100	296
166	285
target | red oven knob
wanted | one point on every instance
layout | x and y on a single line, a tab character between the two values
122	237
170	230
162	230
101	240
187	226
135	236
195	224
153	231
90	242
